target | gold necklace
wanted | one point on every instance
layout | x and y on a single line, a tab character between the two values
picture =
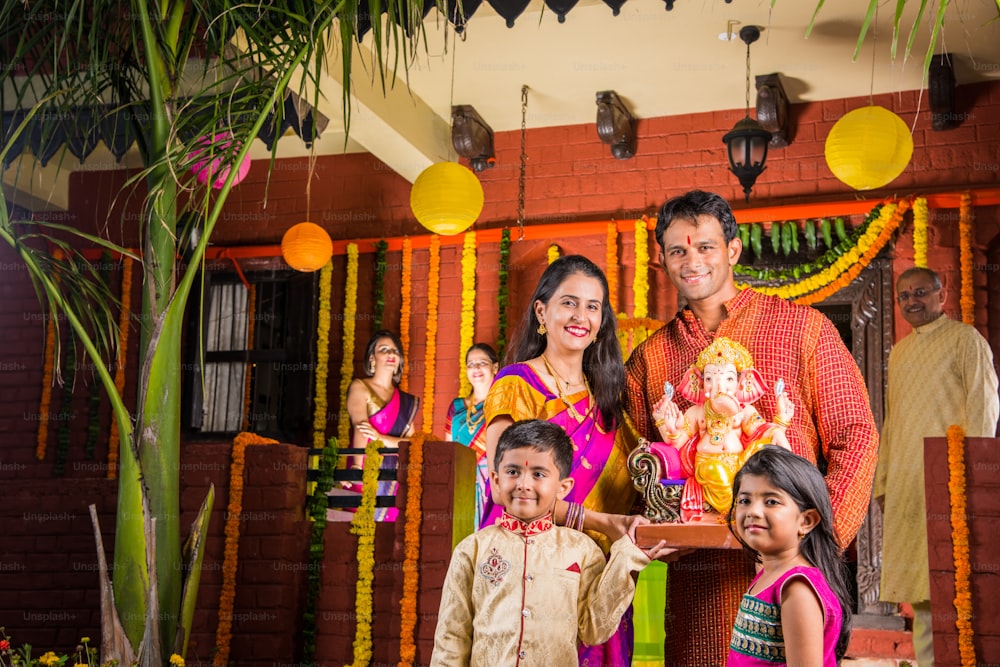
473	424
716	424
569	404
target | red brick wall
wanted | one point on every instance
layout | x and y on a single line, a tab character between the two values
572	176
49	593
982	470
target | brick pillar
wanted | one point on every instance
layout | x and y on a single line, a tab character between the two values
449	481
982	471
273	558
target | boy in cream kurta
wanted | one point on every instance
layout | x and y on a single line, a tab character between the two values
525	591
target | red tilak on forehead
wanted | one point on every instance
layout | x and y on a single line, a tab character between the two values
689	240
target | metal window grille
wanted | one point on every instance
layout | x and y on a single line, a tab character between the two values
273	344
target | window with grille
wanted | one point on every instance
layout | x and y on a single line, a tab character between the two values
252	352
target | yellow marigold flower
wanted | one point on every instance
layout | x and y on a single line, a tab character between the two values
49	659
176	660
84	640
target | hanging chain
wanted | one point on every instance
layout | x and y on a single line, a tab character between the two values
748	79
524	162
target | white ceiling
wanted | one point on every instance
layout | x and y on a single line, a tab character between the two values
662	63
668	63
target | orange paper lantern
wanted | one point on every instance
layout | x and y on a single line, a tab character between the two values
868	148
306	247
446	198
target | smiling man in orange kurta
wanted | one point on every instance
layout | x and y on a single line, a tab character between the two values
833	421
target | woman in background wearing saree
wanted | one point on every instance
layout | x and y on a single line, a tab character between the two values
565	366
466	421
379	410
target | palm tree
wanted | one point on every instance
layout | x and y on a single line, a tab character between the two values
141	55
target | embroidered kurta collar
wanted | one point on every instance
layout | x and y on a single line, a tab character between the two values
524	528
930	327
732	306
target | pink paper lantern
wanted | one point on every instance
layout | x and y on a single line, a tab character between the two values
218	149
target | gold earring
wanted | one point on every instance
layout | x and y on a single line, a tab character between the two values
541	329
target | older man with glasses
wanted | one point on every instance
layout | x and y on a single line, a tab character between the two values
940	374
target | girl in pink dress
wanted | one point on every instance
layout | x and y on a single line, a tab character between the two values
797	609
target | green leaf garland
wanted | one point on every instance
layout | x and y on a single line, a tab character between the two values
65	412
380	250
316	508
847	240
503	296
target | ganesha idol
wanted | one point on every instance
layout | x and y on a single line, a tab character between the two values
705	446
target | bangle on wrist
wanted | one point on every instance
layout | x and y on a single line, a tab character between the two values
782	422
574	516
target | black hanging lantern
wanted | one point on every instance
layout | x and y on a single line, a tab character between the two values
747	141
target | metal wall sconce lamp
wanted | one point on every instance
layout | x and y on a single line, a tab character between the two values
615	124
747	142
941	91
472	137
772	109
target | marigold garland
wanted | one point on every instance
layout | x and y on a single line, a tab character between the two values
848	266
234	512
871	250
124	317
920	232
960	545
411	550
48	370
553	253
640	282
363	525
634	330
430	351
611	261
503	293
968	299
347	360
248	373
468	327
322	355
404	309
775	277
322	370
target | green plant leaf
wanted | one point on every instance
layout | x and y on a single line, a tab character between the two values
193	554
869	15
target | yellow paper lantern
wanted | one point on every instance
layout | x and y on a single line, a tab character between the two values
868	148
446	198
306	247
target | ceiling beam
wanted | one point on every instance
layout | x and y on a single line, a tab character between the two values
394	125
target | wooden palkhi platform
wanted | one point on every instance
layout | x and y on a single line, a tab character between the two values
697	534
